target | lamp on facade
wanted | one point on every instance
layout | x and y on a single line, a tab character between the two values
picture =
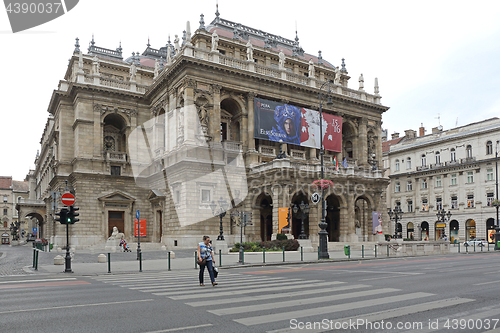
323	234
221	212
444	217
304	210
373	162
395	216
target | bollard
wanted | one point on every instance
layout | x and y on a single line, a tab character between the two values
34	256
318	252
375	251
109	262
264	255
488	247
283	254
195	257
482	247
243	257
140	261
36	261
474	246
387	249
362	251
466	248
168	260
301	253
220	258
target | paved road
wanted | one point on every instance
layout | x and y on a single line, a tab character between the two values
424	294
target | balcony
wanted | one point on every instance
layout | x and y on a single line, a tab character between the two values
467	160
115	156
232	146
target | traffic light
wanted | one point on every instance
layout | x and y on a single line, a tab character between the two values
72	215
61	216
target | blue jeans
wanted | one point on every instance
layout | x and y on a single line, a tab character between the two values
210	271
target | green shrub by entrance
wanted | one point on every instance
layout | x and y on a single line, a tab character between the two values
275	245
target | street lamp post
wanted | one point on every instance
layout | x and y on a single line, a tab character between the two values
304	209
221	212
444	217
395	216
323	234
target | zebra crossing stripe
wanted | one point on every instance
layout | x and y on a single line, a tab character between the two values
189	284
391	313
238	291
304	301
263	319
218	301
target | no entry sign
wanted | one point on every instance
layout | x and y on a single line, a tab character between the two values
68	199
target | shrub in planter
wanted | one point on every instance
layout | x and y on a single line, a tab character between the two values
281	237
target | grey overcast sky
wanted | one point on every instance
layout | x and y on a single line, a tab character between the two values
432	58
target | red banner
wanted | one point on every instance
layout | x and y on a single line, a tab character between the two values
142	226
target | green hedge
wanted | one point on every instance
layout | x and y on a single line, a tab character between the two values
275	245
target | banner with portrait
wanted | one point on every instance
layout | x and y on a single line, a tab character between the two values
377	222
276	121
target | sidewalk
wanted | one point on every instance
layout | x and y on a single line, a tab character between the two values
85	262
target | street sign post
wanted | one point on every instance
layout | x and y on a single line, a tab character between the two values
68	199
137	215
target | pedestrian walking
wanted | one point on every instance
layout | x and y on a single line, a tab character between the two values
206	253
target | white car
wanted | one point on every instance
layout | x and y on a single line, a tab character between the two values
477	242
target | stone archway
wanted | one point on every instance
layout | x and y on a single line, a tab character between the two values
333	218
36	211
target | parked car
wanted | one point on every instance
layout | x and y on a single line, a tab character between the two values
42	241
477	242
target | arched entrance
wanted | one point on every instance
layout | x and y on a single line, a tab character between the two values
399	230
333	218
297	218
439	228
425	230
490	230
454	227
265	204
410	231
470	229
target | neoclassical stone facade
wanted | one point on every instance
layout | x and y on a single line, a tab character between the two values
170	132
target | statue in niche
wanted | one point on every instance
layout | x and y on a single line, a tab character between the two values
133	72
204	120
95	65
215	41
249	51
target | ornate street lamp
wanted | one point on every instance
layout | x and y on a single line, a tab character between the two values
304	210
444	217
395	216
373	162
221	212
323	234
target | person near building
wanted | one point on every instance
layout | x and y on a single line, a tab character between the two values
206	252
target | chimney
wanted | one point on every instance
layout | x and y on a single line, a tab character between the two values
410	134
395	135
421	130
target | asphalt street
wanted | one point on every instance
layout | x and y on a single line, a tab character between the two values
417	294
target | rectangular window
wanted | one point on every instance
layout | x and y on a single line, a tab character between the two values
410	206
397	187
397	165
4	198
438	181
489	198
115	170
454	202
205	195
424	183
470	177
439	203
425	205
5	211
408	163
453	180
409	186
489	174
470	200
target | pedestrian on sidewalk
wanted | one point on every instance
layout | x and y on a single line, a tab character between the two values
206	252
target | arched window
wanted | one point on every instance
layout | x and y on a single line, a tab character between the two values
453	155
408	163
424	161
438	157
489	148
469	151
397	165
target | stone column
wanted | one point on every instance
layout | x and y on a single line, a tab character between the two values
362	151
251	121
215	119
190	114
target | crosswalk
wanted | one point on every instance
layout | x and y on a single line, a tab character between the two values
278	303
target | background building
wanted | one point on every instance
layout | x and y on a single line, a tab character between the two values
452	170
11	192
174	134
